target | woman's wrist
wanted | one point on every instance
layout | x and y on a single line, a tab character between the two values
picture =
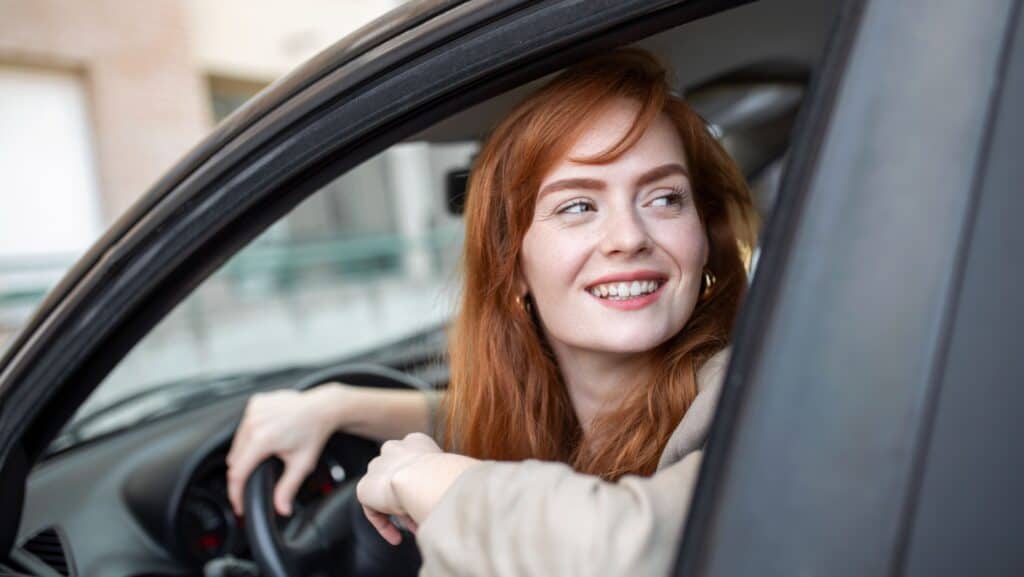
374	413
420	485
340	404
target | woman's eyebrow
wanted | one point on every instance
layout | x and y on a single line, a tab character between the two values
660	172
572	183
653	175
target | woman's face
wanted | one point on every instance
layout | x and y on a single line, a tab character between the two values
614	255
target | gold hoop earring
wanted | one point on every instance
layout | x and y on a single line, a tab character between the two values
523	302
708	281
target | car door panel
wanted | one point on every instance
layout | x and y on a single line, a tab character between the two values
967	518
817	465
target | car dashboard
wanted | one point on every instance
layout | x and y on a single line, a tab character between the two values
152	500
204	526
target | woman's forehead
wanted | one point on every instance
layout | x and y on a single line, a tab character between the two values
660	144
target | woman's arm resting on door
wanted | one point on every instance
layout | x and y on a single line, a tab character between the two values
545	520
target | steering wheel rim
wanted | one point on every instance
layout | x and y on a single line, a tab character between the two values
275	556
335	538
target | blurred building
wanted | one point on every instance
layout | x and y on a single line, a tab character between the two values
98	98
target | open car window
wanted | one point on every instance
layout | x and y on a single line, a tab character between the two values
369	261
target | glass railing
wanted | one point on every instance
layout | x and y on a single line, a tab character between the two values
264	269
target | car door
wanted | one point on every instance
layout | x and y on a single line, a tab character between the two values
871	422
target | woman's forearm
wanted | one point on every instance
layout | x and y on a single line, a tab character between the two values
379	414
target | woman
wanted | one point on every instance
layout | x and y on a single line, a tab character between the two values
605	230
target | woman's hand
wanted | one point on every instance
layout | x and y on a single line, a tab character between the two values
291	425
407	479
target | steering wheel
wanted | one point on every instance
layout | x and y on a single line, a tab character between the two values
334	538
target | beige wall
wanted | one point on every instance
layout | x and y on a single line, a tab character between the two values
262	40
147	99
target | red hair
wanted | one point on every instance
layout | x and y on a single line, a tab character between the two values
506	399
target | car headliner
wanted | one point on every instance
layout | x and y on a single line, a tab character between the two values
787	32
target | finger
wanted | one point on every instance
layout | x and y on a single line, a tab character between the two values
242	458
367	491
244	432
295	472
239	442
377	466
383	525
238	474
390	447
421	441
409	524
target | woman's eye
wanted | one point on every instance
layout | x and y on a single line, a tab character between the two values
674	198
576	207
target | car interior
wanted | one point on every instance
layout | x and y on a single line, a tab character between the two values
135	485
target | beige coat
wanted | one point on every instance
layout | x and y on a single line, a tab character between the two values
542	519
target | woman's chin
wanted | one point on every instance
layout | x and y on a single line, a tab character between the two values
630	342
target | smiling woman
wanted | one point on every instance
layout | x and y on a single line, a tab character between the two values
631	187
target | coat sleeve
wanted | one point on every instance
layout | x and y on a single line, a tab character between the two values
542	519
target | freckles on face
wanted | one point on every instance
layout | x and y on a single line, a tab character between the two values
614	254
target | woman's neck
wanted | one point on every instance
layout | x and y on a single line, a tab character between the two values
596	381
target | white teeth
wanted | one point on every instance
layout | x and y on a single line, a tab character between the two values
624	290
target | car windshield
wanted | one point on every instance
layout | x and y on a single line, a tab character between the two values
364	265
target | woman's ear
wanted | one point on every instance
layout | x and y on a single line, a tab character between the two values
522	289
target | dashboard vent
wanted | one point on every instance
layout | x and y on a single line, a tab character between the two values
49	548
6	571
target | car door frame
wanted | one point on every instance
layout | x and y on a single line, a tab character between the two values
427	63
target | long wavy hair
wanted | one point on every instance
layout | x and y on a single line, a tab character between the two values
507	399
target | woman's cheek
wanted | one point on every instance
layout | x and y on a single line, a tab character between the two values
685	241
551	258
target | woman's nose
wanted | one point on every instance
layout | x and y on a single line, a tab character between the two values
624	233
